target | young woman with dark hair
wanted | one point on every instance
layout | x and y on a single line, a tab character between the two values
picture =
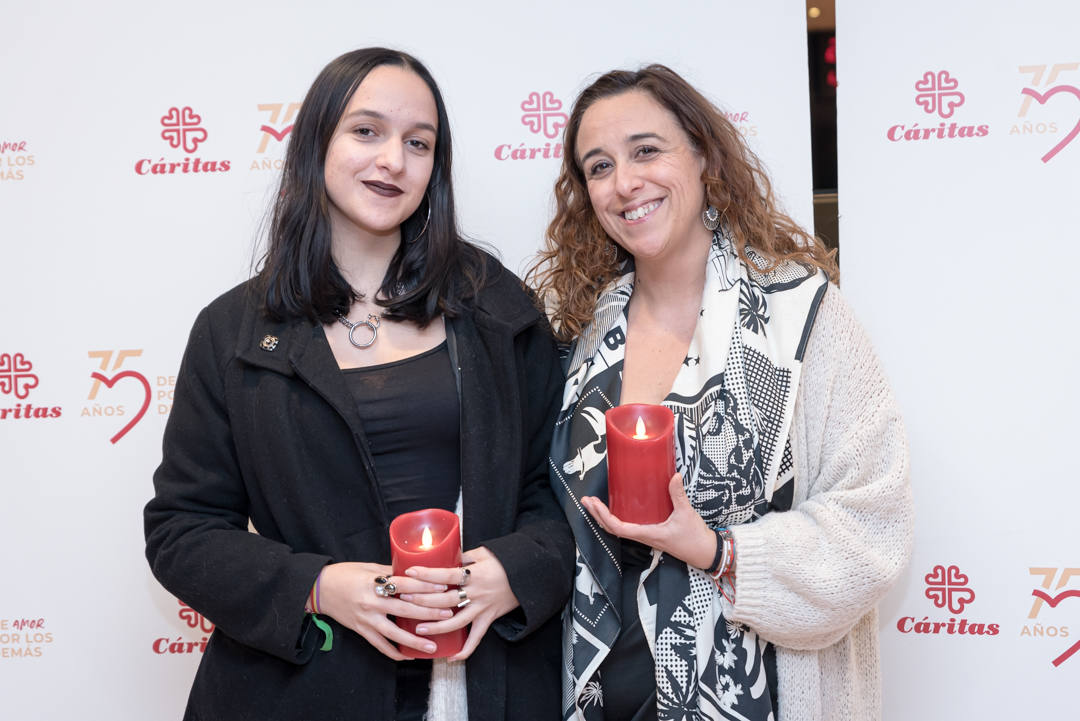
378	364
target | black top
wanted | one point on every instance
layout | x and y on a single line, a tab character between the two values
410	413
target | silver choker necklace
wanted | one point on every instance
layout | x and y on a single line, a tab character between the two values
371	324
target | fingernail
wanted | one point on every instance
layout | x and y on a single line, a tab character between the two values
405	596
446	613
410	572
443	586
421	629
430	648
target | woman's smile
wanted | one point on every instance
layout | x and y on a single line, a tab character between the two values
641	212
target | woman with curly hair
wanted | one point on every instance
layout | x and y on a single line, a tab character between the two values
675	279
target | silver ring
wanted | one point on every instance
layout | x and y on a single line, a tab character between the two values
463	598
465	573
384	587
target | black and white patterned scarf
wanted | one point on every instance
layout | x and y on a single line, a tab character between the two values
733	401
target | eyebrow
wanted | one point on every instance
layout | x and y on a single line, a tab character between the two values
380	116
630	139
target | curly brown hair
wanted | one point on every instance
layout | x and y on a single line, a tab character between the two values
576	262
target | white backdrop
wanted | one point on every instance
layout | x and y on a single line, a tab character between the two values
956	255
105	265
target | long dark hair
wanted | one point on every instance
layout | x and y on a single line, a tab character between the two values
433	272
574	266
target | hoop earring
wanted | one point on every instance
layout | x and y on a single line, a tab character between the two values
427	219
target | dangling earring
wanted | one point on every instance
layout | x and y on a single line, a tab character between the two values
710	217
612	251
427	219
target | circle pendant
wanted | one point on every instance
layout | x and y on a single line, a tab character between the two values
369	325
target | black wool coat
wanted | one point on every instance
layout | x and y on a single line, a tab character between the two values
273	435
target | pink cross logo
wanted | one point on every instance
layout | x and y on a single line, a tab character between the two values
15	375
194	619
948	587
938	93
182	129
542	114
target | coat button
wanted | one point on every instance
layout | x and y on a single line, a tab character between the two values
269	342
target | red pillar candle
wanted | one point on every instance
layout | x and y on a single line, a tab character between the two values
430	538
641	462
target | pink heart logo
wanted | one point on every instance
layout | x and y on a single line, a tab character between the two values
948	587
936	577
959	598
182	129
110	382
1042	98
542	114
938	93
188	117
532	118
955	578
15	375
551	102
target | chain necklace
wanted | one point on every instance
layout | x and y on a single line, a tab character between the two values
371	324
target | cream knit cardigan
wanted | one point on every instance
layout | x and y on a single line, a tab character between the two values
809	579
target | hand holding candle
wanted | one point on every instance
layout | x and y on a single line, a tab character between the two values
683	534
349	596
488	592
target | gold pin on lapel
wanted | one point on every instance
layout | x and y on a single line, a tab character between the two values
269	342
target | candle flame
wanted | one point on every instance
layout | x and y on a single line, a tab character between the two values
639	431
425	539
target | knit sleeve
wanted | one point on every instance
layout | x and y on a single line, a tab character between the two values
805	577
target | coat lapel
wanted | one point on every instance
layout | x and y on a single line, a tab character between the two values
299	347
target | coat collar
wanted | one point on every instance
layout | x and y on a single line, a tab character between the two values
298	347
481	344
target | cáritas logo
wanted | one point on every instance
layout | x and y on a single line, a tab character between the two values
17	379
937	93
542	113
182	129
15	376
947	588
181	644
